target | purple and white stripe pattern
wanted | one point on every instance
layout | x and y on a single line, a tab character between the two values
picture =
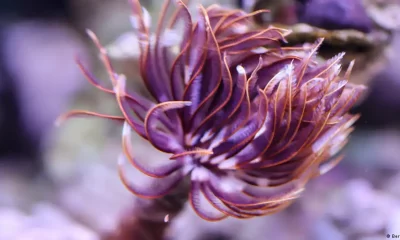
246	121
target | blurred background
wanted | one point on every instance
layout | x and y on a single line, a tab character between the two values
62	183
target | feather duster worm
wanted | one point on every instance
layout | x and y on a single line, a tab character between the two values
248	122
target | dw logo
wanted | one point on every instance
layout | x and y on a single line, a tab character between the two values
393	236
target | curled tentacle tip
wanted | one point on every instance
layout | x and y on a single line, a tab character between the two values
200	174
205	14
134	21
341	55
96	41
187	103
121	160
320	41
60	120
77	58
179	3
121	77
287	32
240	69
91	34
120	86
298	192
228	164
126	129
198	152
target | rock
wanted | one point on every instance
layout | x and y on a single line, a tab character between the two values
360	210
336	14
45	222
43	78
